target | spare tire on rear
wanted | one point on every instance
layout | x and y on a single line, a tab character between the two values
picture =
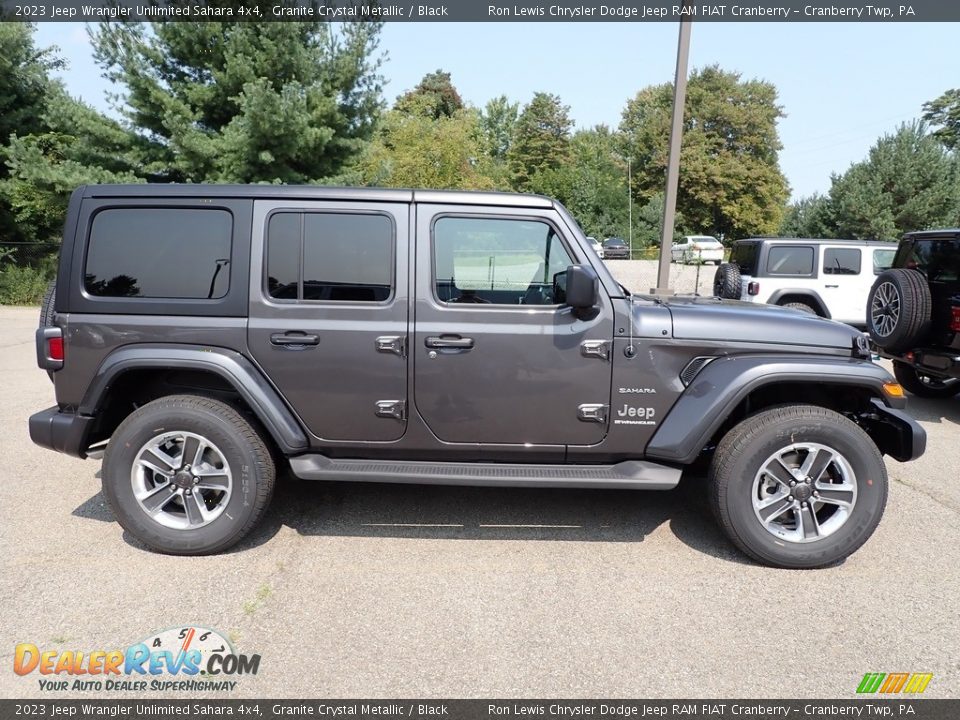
727	283
46	305
46	311
898	310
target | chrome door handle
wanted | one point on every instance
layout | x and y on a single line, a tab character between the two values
294	339
449	342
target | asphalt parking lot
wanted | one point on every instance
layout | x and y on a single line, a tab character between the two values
404	591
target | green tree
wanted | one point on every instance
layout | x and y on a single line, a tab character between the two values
730	179
944	113
907	182
497	121
76	146
808	217
25	84
414	150
434	97
25	88
541	140
245	102
592	185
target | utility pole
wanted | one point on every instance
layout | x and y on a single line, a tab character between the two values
673	164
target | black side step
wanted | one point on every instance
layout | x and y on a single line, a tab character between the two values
633	474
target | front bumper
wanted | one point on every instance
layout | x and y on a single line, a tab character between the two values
895	432
64	432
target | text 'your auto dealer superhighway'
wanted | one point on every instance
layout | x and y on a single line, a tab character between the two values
619	12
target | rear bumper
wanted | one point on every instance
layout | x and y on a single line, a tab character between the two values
943	363
64	432
895	432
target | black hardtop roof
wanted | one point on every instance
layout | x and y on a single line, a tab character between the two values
946	232
316	192
821	241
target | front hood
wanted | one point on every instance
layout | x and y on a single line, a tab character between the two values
699	318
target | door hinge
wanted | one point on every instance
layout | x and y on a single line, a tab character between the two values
396	409
595	348
395	344
593	412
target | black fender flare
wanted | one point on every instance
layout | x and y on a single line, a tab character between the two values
723	383
806	293
231	366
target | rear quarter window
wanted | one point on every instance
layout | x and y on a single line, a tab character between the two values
174	253
790	260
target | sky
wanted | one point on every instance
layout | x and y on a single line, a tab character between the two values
841	85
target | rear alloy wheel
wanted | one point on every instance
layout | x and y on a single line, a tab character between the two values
727	283
187	475
925	386
898	310
798	486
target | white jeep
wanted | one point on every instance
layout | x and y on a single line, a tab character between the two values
829	278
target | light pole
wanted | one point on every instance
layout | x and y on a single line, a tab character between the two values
673	164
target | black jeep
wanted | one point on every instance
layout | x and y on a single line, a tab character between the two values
913	313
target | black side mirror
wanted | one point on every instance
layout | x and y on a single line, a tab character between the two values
578	287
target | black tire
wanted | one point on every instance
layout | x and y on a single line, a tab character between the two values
904	322
46	305
242	446
744	450
726	282
925	386
801	306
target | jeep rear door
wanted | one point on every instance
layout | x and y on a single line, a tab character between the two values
846	282
328	313
496	358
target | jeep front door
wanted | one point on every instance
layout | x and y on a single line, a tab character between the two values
498	358
328	313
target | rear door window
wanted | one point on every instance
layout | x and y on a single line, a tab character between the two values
338	257
841	261
794	260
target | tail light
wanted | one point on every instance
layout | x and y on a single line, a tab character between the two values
753	288
55	348
51	351
955	319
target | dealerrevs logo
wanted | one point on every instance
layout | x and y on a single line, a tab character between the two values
187	658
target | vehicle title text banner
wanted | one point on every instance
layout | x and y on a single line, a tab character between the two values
477	11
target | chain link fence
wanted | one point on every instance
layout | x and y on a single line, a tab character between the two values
640	276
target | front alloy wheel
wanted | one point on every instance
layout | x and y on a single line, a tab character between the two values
804	492
797	486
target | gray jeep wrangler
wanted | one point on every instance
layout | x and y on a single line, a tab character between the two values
201	337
